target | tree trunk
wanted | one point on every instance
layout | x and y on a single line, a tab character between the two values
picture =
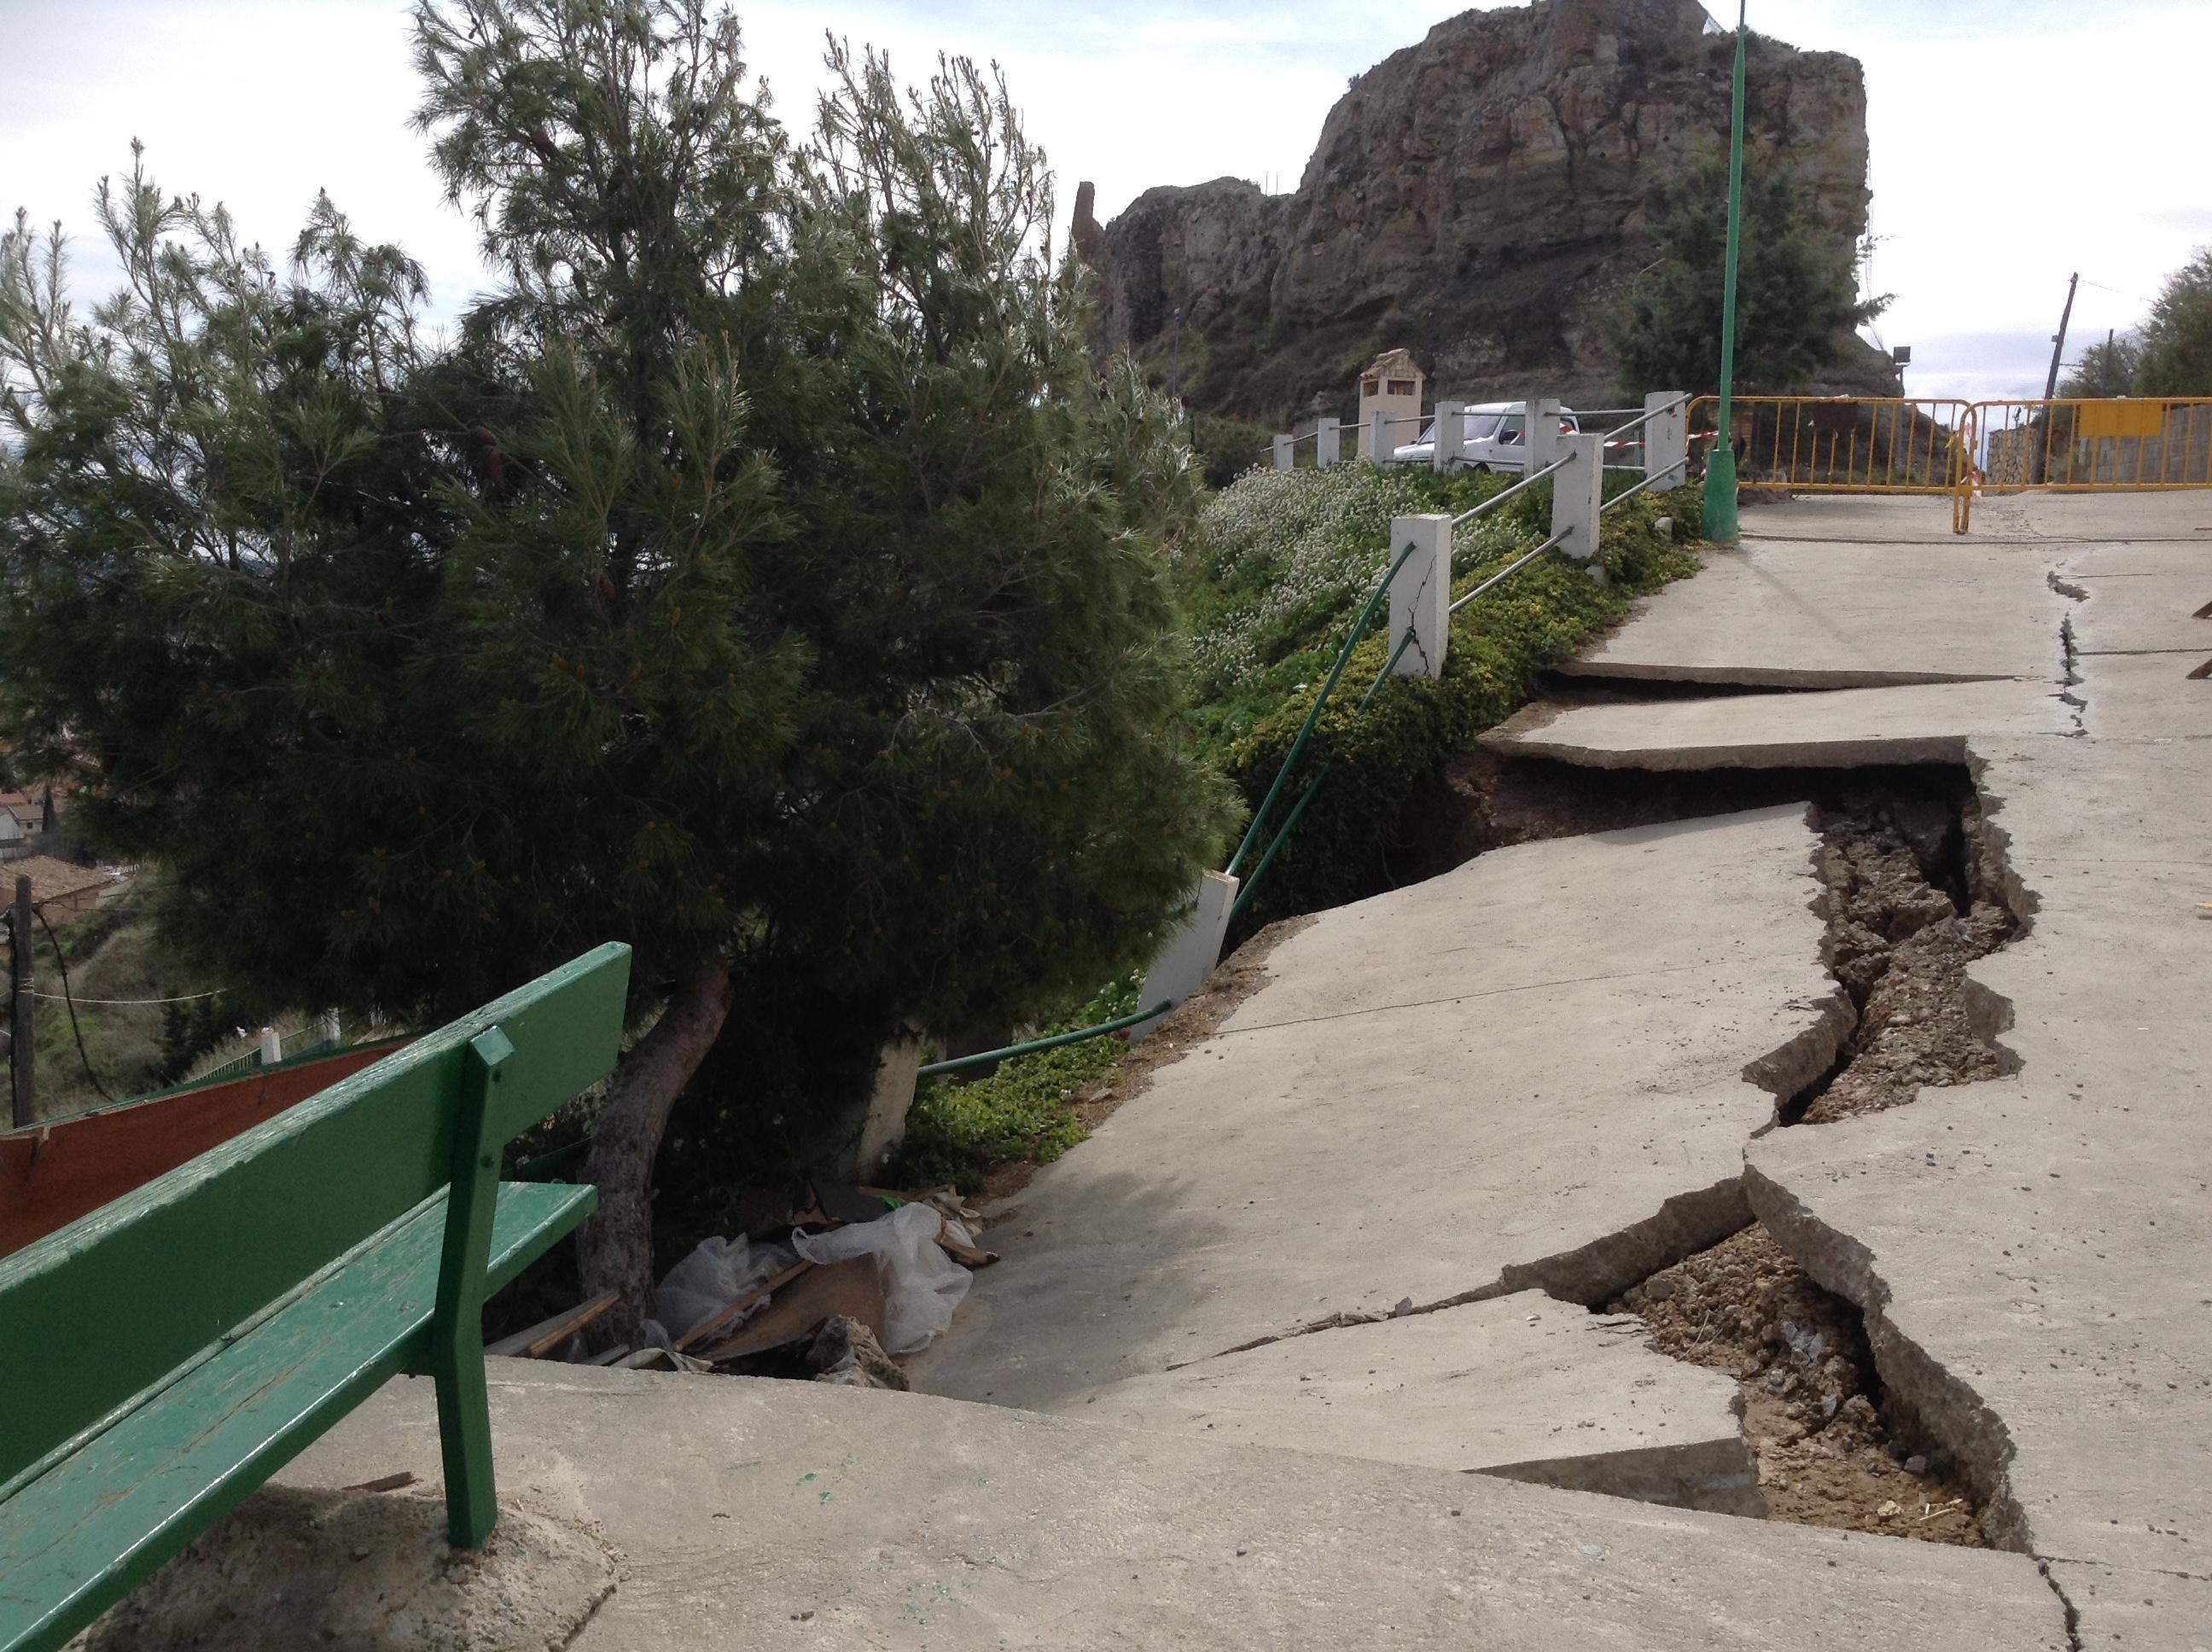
616	1245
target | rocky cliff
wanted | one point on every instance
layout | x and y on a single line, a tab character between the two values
1479	199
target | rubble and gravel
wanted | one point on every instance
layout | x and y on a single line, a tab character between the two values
1905	917
1828	1455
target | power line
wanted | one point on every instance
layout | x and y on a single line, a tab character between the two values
118	1003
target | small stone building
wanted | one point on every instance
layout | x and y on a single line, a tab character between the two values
1393	385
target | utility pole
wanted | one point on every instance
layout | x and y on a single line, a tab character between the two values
2058	338
19	1049
1720	521
2051	382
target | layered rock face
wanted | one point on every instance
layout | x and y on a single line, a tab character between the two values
1479	198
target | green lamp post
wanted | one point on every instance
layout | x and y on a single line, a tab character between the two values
1720	523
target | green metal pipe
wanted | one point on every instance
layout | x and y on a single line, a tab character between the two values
1720	518
960	1063
1305	797
1290	759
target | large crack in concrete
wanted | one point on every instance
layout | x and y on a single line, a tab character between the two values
1909	903
1916	884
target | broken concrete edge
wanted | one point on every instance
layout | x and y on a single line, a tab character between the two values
1992	847
1719	1477
1870	751
1787	1072
1593	1274
1588	1276
1930	1395
1766	676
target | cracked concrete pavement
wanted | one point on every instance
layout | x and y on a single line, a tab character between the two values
1529	1071
1554	1069
2031	1251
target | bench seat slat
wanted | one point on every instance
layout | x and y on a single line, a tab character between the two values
76	1538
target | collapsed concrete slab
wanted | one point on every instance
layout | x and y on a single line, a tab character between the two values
764	1515
1522	1386
1530	1071
2030	1251
1832	728
1830	615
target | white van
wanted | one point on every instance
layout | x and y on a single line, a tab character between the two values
1496	438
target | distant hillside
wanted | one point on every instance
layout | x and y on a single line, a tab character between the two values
1478	198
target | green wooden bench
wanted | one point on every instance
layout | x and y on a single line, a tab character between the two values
162	1356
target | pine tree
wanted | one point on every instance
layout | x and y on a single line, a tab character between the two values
767	577
1797	298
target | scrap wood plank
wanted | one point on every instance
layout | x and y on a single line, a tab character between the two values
850	1287
721	1317
541	1338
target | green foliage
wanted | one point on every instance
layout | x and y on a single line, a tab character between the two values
1019	1111
766	576
2177	339
1225	449
1342	847
1797	296
2110	369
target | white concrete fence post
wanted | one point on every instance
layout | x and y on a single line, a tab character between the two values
1380	444
273	1048
1667	437
1575	492
1543	437
1451	437
1420	592
1328	443
1187	957
331	1031
1280	450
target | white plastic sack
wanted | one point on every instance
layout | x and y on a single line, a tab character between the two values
708	1280
922	1285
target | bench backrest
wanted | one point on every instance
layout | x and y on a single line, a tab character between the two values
96	1312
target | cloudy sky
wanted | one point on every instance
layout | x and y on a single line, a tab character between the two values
2014	141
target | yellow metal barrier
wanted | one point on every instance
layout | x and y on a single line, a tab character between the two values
1937	445
1839	444
2094	446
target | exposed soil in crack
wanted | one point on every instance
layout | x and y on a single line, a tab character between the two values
1912	894
1908	906
1829	1451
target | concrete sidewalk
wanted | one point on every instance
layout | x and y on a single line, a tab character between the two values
765	1515
2032	1251
1531	1071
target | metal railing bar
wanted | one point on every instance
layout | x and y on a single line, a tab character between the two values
1505	494
1628	493
1244	894
1313	716
1645	416
1513	566
960	1063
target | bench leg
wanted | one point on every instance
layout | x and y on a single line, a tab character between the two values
457	1328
